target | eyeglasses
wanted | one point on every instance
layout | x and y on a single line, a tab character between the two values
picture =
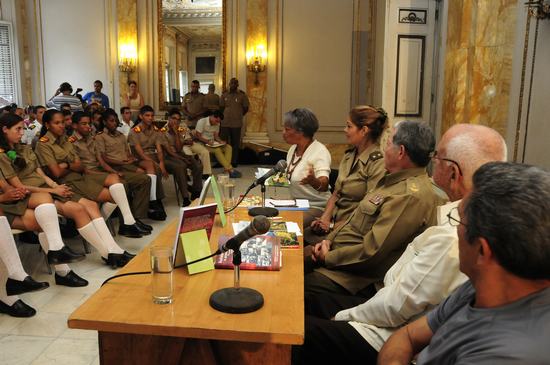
454	222
436	157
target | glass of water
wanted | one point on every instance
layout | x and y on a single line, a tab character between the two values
162	266
229	194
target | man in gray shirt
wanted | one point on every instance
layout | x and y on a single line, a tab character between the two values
502	315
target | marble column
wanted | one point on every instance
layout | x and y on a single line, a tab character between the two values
256	33
478	62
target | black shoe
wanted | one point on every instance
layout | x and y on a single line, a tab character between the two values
63	256
71	279
142	231
186	202
156	215
29	237
14	287
18	309
128	255
115	260
129	230
143	226
195	195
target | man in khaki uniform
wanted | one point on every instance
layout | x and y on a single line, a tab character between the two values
193	104
235	105
85	146
212	100
402	205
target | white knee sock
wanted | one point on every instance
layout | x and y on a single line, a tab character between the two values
8	252
46	216
153	193
61	269
4	297
103	231
107	209
119	196
90	234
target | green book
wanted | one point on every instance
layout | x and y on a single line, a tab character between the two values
195	246
218	199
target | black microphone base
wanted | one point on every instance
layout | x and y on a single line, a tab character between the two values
266	211
236	300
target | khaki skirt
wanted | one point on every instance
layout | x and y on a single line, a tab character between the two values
87	186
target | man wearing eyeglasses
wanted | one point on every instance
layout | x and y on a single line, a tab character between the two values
424	275
502	314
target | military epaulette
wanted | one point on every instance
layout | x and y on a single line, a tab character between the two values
412	185
376	155
137	129
72	139
376	199
44	139
181	129
163	129
2	150
31	127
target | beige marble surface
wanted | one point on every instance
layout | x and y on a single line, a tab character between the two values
478	62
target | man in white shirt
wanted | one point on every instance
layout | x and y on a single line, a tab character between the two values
125	121
424	275
33	129
63	96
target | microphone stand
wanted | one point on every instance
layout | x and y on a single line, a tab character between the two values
263	210
236	299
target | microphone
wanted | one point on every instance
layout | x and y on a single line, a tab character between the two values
259	225
279	167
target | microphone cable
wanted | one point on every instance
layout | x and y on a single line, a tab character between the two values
148	272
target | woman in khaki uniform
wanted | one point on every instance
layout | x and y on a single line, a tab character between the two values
360	170
63	166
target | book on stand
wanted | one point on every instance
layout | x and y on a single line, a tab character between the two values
257	253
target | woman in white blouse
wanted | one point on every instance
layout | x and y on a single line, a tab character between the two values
308	162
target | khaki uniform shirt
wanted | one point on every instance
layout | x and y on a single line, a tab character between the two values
147	139
212	101
85	149
52	150
370	241
356	176
234	105
194	103
169	139
113	145
27	175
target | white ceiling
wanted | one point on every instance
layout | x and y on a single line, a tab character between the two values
197	19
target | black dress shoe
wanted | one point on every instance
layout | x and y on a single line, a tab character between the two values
129	230
143	226
71	279
156	215
128	255
63	256
115	260
142	231
18	309
14	287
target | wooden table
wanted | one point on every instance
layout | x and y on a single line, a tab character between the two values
133	330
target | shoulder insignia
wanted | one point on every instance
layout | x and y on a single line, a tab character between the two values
2	150
163	129
32	126
136	129
376	199
413	187
44	139
181	129
376	155
72	139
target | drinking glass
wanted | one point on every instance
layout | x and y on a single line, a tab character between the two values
162	266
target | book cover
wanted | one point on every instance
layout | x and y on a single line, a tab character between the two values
218	199
257	253
193	219
195	246
287	239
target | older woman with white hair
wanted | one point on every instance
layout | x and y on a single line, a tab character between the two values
308	162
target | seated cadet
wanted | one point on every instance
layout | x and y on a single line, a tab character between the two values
32	131
424	275
358	253
502	314
207	132
57	155
174	140
113	148
146	144
68	120
94	166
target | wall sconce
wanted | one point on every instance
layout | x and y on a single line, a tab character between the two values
127	58
539	9
256	61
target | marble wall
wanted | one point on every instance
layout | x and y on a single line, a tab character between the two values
256	33
478	62
126	11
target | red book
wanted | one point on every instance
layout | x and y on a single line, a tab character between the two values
257	253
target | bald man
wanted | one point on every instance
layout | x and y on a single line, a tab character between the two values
426	273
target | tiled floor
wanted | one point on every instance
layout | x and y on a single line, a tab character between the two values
45	338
